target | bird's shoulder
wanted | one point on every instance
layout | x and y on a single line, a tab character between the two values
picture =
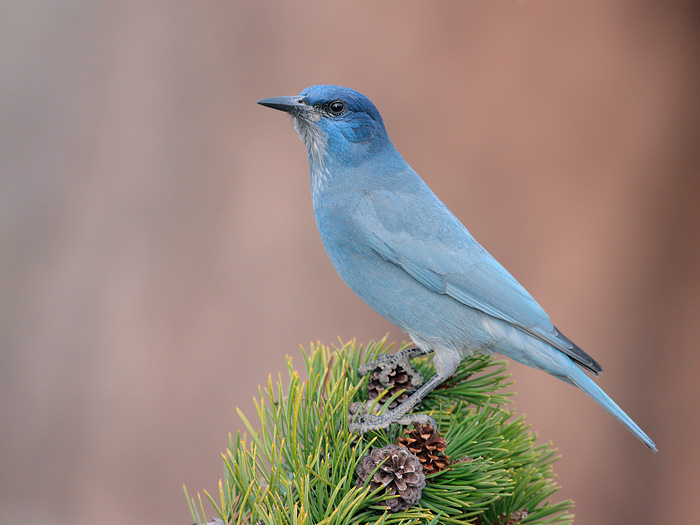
415	222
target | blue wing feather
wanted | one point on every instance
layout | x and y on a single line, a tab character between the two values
442	255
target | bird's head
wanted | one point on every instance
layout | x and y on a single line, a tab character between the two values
336	124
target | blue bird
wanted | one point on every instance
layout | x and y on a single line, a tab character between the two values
399	248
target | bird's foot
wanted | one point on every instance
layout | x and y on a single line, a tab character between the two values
374	422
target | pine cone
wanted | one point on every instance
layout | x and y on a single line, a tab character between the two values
357	407
394	380
513	519
516	517
400	472
425	443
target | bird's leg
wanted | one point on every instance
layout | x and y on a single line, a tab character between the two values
401	413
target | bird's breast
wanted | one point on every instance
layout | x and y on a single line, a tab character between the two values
318	179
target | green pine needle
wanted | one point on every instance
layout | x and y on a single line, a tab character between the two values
296	466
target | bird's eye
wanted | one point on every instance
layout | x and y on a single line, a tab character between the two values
336	107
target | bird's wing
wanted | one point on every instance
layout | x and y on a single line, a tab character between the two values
419	234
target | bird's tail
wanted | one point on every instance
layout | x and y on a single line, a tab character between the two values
578	377
538	354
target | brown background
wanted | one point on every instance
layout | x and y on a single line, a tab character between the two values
159	255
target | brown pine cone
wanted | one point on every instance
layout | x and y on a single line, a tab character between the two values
394	380
400	472
425	443
516	517
513	519
357	407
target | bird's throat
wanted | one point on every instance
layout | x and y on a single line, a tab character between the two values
313	138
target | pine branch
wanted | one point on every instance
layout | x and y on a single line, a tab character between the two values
298	465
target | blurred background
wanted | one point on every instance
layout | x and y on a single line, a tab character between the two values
159	256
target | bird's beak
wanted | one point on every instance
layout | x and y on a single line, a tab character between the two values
294	105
